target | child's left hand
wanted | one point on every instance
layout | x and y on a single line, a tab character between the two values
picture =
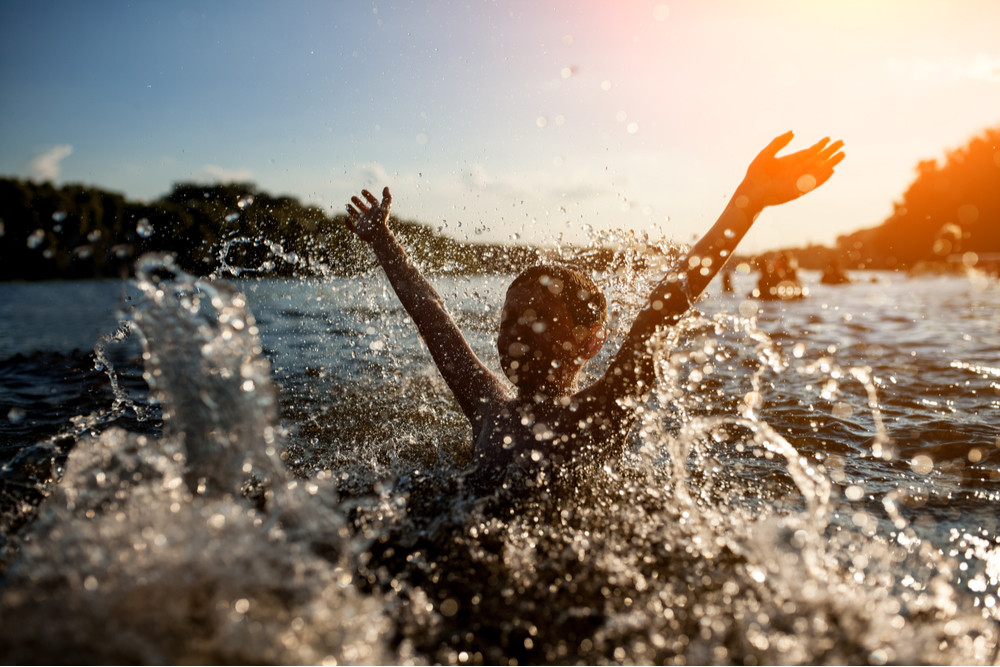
367	222
773	180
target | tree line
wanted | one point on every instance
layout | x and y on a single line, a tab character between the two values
231	229
952	209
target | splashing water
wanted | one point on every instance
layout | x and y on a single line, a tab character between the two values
714	540
161	550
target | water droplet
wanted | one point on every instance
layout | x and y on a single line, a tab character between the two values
566	72
59	216
232	217
922	464
842	411
605	85
35	238
422	139
542	121
15	415
244	201
94	236
449	607
806	183
661	12
144	228
620	116
633	128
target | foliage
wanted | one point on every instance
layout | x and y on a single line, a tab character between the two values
950	209
229	230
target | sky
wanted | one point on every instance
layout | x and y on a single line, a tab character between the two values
534	122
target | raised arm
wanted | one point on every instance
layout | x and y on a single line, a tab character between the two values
770	180
469	380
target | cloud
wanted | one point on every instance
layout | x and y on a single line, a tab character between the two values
46	166
214	172
373	175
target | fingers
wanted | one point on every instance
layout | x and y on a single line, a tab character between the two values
818	146
825	164
835	160
360	205
777	144
805	155
825	154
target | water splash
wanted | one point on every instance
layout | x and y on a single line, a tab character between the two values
144	228
146	551
204	362
721	536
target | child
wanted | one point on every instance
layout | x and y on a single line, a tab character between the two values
553	321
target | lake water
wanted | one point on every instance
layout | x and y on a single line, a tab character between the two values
813	481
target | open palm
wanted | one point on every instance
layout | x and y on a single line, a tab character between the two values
366	220
775	180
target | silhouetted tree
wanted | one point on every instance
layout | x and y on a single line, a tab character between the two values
229	229
949	208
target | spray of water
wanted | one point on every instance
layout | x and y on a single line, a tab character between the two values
718	538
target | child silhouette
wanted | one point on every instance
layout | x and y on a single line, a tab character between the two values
553	322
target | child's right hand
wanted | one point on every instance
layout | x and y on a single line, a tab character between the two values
367	221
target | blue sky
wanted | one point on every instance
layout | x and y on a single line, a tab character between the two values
500	120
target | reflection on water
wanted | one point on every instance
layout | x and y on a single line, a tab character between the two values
812	482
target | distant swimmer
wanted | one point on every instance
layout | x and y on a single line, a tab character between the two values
834	274
553	322
779	279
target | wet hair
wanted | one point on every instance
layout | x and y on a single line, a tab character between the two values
580	294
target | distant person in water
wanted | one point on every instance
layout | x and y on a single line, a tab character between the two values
553	322
834	273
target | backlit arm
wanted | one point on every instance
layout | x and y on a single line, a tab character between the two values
770	181
469	380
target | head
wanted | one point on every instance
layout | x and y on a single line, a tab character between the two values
552	323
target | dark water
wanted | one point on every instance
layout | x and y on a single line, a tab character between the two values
813	481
